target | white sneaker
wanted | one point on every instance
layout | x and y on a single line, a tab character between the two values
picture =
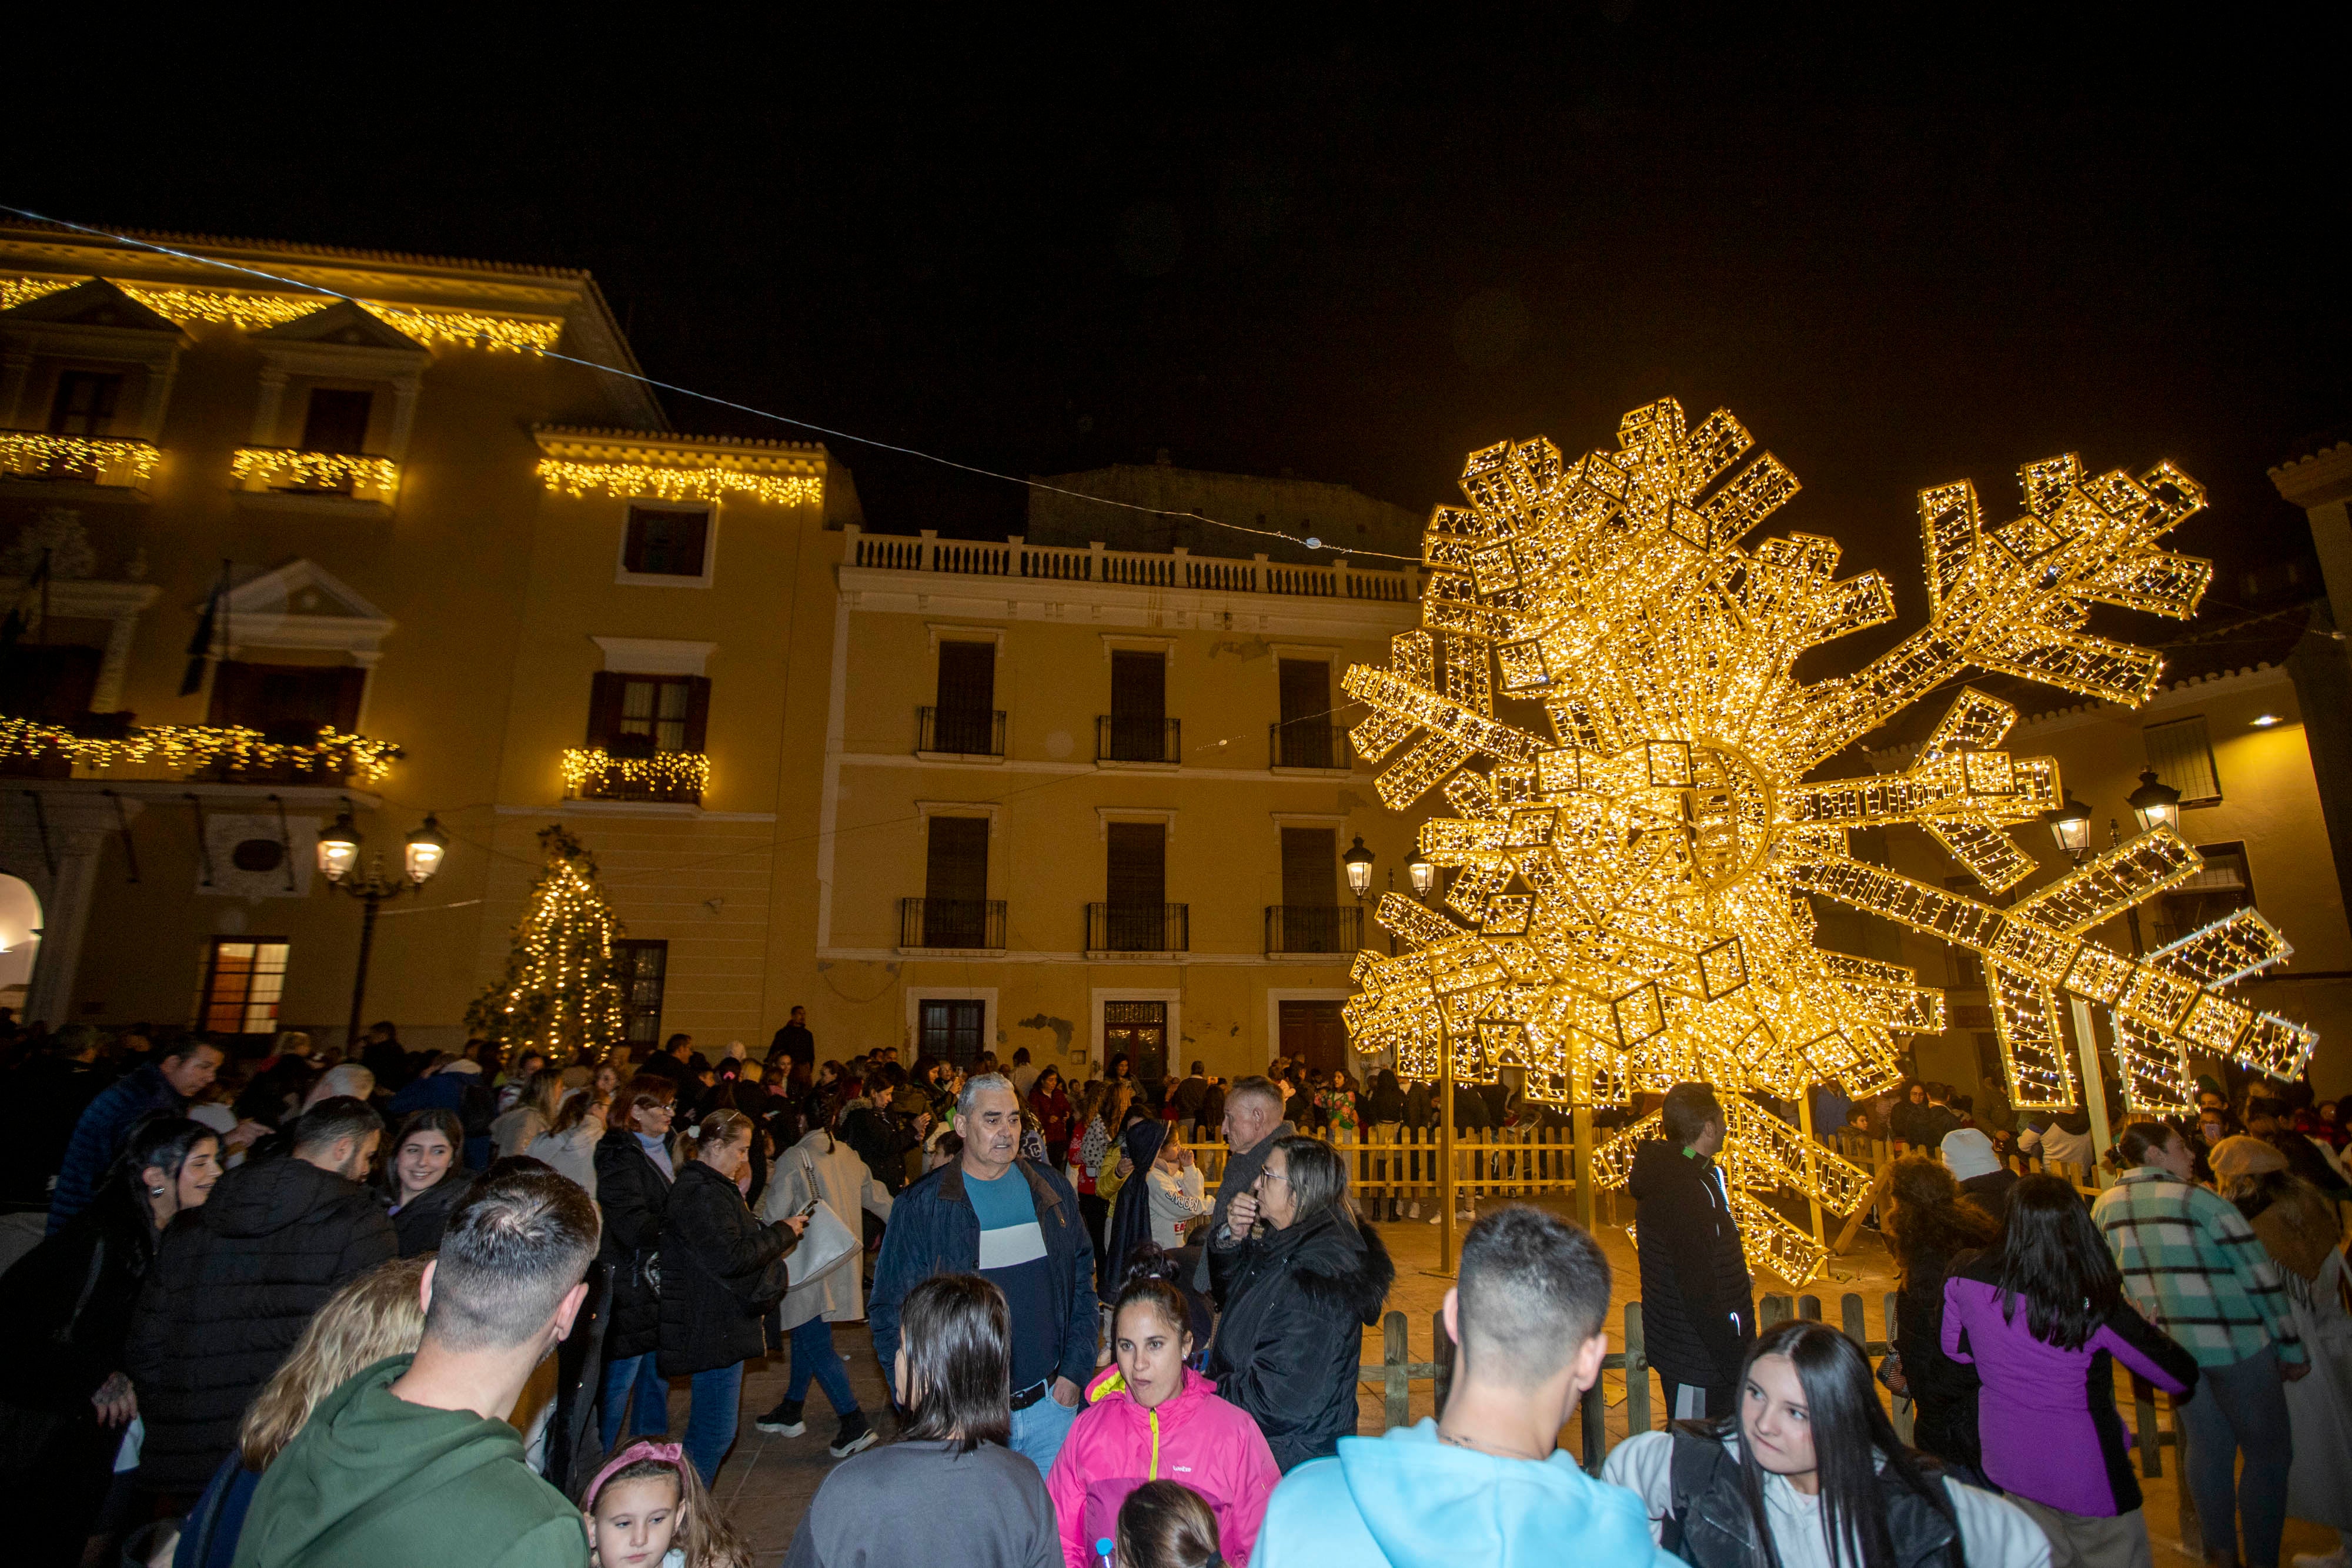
1414	1212
1438	1219
2335	1559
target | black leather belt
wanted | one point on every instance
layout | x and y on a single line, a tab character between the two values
1027	1396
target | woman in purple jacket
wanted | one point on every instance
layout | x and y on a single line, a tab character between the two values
2043	1316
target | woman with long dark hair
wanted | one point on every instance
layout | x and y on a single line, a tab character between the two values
1810	1474
1933	1223
64	1316
2040	1314
977	1502
424	1179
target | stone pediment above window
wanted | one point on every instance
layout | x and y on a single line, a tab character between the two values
303	605
342	324
93	304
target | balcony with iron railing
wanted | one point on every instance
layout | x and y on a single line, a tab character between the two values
1178	568
289	474
1122	738
1312	746
1314	928
967	733
952	924
104	461
1116	929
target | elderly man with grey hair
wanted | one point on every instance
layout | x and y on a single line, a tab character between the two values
1252	1122
1015	1223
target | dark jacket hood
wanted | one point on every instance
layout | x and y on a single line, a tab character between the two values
1658	1166
1342	1266
265	1197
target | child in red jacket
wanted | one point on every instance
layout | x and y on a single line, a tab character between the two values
1151	1419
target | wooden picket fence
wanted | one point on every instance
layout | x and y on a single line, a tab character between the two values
1403	1161
1396	1371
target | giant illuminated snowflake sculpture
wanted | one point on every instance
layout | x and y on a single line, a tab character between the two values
1630	898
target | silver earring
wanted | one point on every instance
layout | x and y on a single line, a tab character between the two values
155	1192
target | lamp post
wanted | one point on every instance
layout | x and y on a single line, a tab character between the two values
1359	862
2070	824
1422	874
339	854
2155	803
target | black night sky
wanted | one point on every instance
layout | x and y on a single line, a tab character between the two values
1902	250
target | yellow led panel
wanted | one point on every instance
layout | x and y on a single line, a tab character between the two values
1633	830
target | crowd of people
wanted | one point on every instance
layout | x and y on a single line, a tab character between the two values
421	1307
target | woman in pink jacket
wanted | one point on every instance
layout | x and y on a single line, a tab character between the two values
1151	1419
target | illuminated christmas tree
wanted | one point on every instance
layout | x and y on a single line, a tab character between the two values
1603	691
562	993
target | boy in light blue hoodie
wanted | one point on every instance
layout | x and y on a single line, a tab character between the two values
1485	1484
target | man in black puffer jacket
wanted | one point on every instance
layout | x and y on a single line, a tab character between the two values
1698	1311
235	1282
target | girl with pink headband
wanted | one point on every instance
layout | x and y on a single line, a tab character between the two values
647	1509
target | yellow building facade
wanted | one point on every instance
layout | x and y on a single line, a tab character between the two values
882	775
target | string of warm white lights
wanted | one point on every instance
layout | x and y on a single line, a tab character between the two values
38	453
1310	542
288	467
187	746
670	771
252	310
1629	907
671	483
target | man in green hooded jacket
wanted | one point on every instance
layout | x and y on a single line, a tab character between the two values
411	1464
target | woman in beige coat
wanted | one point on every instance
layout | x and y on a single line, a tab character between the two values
823	1166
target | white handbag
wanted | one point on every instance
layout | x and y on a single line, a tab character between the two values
825	1245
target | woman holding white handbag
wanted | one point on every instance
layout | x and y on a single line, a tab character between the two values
826	1171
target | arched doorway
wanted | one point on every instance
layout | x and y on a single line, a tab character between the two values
20	939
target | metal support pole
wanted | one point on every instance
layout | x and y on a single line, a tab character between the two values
1587	1205
359	980
1812	1162
1447	1239
2094	1084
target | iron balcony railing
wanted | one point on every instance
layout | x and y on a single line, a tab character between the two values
1305	744
1120	737
1139	927
1314	927
971	923
961	732
1178	568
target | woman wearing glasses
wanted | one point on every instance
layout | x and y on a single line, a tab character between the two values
1305	1273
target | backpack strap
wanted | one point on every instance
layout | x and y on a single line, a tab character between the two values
1697	1455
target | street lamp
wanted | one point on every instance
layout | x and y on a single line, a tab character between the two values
2070	824
2156	804
1359	862
338	852
1422	874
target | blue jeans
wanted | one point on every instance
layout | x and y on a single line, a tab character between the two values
637	1375
712	1419
1038	1431
2240	1408
814	1356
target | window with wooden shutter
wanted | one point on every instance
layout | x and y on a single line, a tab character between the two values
289	703
1137	875
965	720
85	402
638	715
641	968
955	882
2182	756
1308	857
665	543
337	421
1139	708
1304	739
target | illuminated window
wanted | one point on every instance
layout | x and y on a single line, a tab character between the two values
638	715
243	978
665	543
